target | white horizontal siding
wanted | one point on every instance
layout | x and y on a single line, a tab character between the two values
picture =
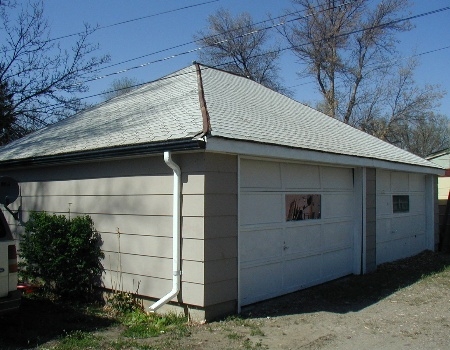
133	213
399	235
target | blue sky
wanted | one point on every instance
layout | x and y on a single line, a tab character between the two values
160	32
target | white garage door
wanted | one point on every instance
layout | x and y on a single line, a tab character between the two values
278	256
401	215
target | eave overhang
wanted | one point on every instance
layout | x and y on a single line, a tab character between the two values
278	152
107	153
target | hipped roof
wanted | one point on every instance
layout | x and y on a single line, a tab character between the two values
168	112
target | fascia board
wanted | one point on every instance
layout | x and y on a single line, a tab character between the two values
253	149
110	153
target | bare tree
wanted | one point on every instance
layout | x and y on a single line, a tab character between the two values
43	78
119	87
428	136
6	113
241	47
349	47
344	46
398	102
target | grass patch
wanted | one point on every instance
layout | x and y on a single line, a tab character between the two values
234	336
252	326
256	332
79	340
248	345
120	344
239	329
442	276
41	322
142	325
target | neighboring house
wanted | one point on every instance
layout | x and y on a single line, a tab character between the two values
442	158
275	196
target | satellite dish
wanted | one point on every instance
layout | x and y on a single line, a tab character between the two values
9	190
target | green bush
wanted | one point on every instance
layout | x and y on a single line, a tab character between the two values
63	254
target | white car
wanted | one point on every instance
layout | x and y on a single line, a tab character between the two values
9	295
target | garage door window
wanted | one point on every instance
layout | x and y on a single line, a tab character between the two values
400	204
302	207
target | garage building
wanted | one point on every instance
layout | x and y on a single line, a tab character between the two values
263	194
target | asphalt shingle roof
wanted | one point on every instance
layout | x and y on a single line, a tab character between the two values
169	109
162	110
248	111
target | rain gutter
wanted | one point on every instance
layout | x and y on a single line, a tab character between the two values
107	153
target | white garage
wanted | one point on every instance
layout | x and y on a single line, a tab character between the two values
401	215
278	255
263	195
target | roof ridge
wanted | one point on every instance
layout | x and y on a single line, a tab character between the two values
201	96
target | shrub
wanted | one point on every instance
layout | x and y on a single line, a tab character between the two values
119	302
61	253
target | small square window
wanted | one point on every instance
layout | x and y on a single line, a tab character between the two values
400	204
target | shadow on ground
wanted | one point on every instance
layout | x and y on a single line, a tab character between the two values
40	320
353	293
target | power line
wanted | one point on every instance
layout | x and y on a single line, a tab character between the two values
388	63
149	16
171	76
190	51
278	50
431	51
202	47
209	37
135	19
90	31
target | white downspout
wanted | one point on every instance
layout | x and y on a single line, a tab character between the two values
176	279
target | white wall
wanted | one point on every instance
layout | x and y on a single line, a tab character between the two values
400	235
130	202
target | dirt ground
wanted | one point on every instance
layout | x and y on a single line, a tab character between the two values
403	305
394	308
